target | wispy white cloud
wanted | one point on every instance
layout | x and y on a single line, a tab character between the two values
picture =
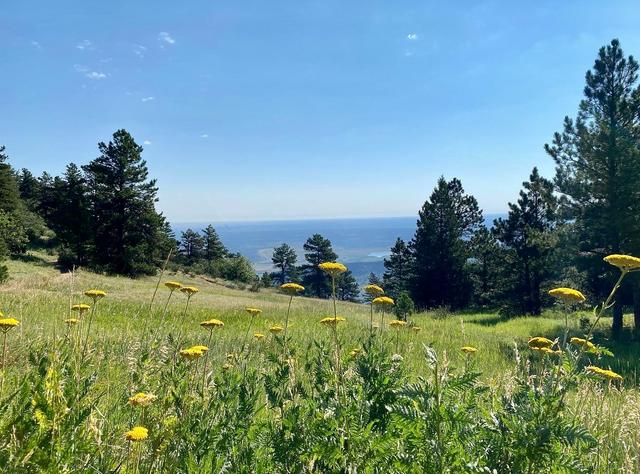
412	36
147	99
165	37
80	68
146	142
36	44
204	135
139	50
408	53
95	75
84	45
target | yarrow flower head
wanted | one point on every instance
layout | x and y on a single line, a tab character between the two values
373	290
258	335
416	329
191	353
71	321
332	268
80	308
200	348
470	350
8	323
356	352
626	263
540	342
139	433
189	290
332	320
603	373
173	285
396	323
275	329
253	311
582	342
291	288
95	294
212	324
567	295
142	399
383	301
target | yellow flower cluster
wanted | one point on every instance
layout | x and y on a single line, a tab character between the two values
469	350
332	320
81	308
8	323
275	329
142	399
383	301
603	373
71	321
192	353
292	288
253	311
396	323
356	352
416	329
332	268
189	290
95	294
373	290
139	433
173	285
626	263
258	335
567	295
212	324
546	351
540	342
582	342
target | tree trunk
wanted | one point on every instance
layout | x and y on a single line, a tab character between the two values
616	327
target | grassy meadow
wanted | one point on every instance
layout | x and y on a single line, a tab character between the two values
259	411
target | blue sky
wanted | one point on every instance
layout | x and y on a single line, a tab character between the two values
294	109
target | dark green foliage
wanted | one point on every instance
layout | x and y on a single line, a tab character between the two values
9	194
447	220
347	287
266	281
528	239
486	267
213	248
318	250
191	247
284	258
398	269
30	190
404	306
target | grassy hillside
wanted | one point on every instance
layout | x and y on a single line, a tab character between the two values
133	344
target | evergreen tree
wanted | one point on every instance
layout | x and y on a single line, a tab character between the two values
191	247
284	258
486	267
404	306
318	250
29	188
9	193
398	269
598	166
266	281
347	287
213	248
528	235
447	220
124	220
372	279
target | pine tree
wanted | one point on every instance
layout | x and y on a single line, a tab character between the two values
124	220
598	167
372	279
191	247
404	306
266	281
347	287
29	188
9	193
318	250
447	220
284	258
213	248
398	269
486	267
528	235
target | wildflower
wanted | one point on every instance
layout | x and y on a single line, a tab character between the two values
95	294
258	336
332	268
396	323
373	290
212	324
603	373
71	321
139	433
173	285
202	349
189	290
142	399
275	329
626	263
253	311
567	295
470	350
291	288
416	329
383	301
356	352
80	308
8	323
332	320
582	342
191	353
540	342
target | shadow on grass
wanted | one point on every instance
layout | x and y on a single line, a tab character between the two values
33	259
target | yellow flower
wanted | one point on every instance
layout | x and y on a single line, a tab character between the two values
416	329
258	335
469	350
373	290
8	323
253	311
546	351
567	295
396	323
603	373
81	308
71	321
200	348
625	263
275	329
356	352
332	320
173	285
189	290
383	301
540	342
139	433
582	342
212	324
291	288
332	268
95	294
142	399
191	353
